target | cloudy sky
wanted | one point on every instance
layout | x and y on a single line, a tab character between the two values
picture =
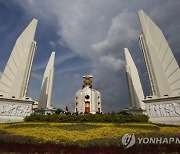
88	37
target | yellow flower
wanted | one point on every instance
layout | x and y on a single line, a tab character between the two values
81	133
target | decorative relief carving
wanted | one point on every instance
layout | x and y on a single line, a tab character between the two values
164	110
15	109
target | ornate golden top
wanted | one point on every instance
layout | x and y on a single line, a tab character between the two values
87	80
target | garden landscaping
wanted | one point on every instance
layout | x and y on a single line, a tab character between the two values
75	137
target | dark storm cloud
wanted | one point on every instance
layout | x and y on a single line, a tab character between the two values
167	18
100	29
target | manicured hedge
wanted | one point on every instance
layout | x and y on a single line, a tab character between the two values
120	118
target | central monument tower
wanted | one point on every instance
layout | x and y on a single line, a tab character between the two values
88	100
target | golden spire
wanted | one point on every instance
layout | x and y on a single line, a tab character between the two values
87	80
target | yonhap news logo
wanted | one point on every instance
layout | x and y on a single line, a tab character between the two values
128	140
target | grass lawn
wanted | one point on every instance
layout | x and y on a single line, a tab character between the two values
80	134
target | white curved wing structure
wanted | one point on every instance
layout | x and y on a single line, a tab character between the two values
162	68
15	78
47	85
134	83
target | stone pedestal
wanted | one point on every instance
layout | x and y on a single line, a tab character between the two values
45	111
164	110
14	110
135	111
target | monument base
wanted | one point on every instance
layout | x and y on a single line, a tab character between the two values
45	111
10	119
14	110
166	120
135	111
163	110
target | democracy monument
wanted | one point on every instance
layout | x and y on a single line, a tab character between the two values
161	106
87	99
14	103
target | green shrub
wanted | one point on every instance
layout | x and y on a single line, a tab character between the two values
119	118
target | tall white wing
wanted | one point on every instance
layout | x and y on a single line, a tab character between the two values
47	85
134	83
162	68
15	78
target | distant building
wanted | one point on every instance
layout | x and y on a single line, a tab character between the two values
88	100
